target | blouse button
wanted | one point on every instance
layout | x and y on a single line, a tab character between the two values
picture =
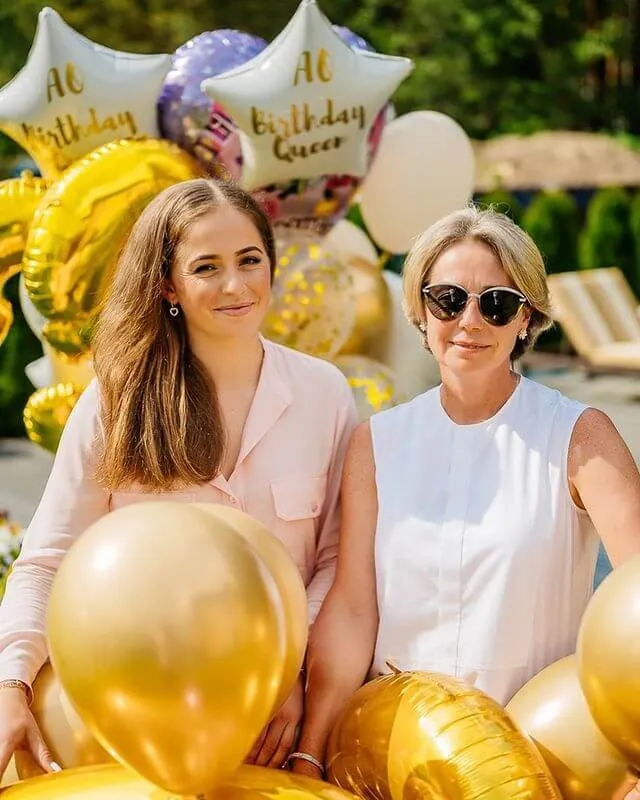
315	507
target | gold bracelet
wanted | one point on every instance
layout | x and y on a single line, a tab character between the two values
14	683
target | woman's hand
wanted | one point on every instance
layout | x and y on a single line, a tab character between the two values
18	731
278	739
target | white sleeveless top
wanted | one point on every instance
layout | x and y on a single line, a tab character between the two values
484	563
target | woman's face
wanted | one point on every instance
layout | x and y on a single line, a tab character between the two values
221	276
468	342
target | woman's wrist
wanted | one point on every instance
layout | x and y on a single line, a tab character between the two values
15	685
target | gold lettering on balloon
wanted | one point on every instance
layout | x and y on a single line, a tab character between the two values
67	129
72	81
324	69
302	119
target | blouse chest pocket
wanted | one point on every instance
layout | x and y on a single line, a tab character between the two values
300	497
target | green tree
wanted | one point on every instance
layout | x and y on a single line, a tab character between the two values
606	240
19	349
553	221
503	201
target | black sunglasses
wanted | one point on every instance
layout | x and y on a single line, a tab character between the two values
498	305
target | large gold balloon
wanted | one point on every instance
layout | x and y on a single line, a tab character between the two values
552	710
372	306
47	412
19	198
167	633
115	782
80	226
426	736
373	384
608	653
288	581
67	737
313	304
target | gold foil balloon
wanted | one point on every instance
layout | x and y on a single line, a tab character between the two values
47	412
67	737
80	226
426	736
552	710
373	307
115	782
167	633
608	653
313	305
19	198
372	383
289	582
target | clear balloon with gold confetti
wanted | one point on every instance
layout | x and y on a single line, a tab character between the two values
373	383
313	305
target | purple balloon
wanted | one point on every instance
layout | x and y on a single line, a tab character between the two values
186	115
352	39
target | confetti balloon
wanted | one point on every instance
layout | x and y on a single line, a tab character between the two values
313	305
372	383
426	736
373	307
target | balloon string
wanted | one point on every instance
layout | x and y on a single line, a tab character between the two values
396	670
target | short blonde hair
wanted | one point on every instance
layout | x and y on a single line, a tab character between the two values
515	250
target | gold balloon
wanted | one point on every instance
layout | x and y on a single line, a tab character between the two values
426	736
373	307
70	369
47	412
115	782
68	739
19	198
372	383
552	710
313	304
166	631
289	582
608	654
80	225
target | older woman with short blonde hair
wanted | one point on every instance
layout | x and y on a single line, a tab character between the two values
472	514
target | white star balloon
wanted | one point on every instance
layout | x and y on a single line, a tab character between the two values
73	95
305	105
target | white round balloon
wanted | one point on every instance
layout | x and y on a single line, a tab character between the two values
351	241
424	169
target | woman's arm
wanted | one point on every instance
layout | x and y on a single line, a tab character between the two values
604	480
343	638
71	502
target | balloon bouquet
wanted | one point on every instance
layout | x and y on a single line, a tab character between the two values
304	122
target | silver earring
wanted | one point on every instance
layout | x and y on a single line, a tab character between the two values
522	335
174	311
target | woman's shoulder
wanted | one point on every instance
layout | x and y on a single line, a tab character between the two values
306	371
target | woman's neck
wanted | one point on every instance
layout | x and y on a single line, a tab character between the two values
468	399
231	363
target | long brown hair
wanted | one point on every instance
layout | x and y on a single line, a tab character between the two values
161	421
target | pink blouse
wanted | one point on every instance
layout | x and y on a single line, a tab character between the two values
287	476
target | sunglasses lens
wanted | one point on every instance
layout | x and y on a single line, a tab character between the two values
445	302
499	307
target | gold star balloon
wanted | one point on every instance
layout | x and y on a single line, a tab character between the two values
305	105
73	95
